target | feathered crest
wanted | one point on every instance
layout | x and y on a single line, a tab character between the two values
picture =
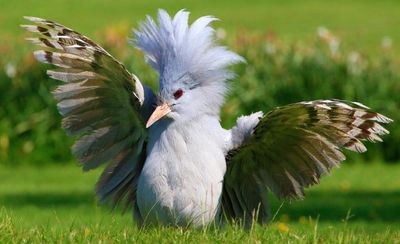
174	49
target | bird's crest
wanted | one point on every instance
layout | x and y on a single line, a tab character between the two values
176	49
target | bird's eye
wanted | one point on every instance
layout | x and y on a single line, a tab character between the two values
178	93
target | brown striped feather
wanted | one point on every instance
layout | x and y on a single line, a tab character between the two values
294	145
100	102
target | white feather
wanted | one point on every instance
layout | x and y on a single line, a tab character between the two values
244	128
172	48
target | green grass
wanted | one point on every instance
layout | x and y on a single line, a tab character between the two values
362	23
357	204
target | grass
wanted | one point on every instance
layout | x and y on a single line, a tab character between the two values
357	204
362	23
55	203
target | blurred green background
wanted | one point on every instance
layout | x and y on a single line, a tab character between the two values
295	51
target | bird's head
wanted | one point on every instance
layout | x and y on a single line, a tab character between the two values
192	68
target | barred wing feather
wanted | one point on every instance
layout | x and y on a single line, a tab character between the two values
101	102
290	148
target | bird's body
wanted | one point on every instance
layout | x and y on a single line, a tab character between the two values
181	167
181	183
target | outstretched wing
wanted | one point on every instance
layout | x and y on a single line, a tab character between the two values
101	102
289	149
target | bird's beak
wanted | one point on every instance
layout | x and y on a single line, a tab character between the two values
160	112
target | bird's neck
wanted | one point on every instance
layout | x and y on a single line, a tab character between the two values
180	125
169	132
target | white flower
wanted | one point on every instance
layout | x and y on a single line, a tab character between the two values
323	32
10	70
387	42
354	57
334	45
354	63
332	41
220	33
270	48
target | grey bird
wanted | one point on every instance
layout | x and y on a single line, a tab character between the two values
167	156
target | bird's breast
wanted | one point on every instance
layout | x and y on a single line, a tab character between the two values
181	181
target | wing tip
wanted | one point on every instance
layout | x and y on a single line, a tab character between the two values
42	56
30	18
355	145
31	28
383	119
361	105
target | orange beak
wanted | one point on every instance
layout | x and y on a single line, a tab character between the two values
160	112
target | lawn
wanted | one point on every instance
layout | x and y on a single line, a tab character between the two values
55	202
361	23
357	203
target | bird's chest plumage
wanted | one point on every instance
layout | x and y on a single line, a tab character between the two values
181	181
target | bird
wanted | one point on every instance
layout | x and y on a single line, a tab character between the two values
167	158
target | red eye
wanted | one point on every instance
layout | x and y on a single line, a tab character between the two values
178	93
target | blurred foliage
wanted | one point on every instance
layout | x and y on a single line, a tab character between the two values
276	73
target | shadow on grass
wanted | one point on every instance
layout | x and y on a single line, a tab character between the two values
45	200
335	205
328	205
